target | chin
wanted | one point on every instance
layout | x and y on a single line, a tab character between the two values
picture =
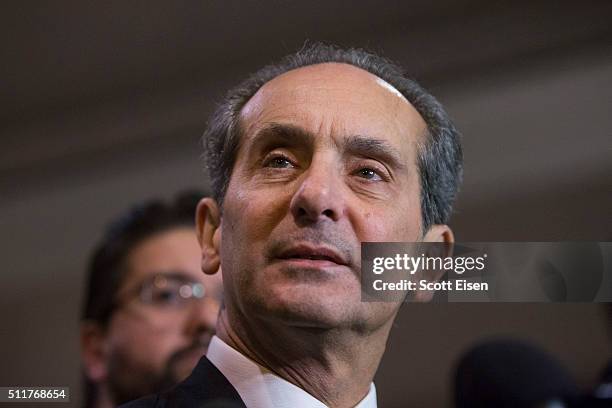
307	305
182	367
182	370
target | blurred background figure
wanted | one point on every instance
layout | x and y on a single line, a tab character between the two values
603	389
149	311
514	374
507	372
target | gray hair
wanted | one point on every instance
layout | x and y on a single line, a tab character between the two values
440	158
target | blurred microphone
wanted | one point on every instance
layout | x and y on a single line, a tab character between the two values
603	391
506	373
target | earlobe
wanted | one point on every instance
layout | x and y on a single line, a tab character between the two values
208	222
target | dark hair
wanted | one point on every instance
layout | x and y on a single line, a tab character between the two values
106	269
440	156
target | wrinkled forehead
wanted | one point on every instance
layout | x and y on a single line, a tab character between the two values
333	95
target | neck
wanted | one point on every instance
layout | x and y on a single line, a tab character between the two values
336	366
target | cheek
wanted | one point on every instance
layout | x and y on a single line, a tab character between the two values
143	342
380	225
252	214
371	228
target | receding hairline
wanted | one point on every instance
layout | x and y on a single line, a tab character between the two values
332	65
423	128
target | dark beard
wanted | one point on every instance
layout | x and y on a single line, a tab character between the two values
128	381
171	375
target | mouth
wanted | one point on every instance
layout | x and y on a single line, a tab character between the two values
312	256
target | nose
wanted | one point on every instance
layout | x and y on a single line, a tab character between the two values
202	317
319	196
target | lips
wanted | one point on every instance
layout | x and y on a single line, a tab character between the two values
315	254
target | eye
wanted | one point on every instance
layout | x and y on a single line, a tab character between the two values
369	174
278	162
163	297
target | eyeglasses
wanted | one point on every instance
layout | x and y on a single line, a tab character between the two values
167	291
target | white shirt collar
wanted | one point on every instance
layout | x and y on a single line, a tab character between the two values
260	388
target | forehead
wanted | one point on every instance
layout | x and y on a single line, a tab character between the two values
173	250
337	98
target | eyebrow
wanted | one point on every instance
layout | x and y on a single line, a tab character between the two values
174	274
281	135
285	135
368	146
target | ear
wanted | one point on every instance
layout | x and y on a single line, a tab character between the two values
436	233
444	235
439	233
94	351
208	222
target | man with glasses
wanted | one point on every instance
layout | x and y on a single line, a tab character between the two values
149	310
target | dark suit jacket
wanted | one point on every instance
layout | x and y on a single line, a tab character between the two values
206	387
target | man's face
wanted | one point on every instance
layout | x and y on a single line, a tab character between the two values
327	160
155	337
